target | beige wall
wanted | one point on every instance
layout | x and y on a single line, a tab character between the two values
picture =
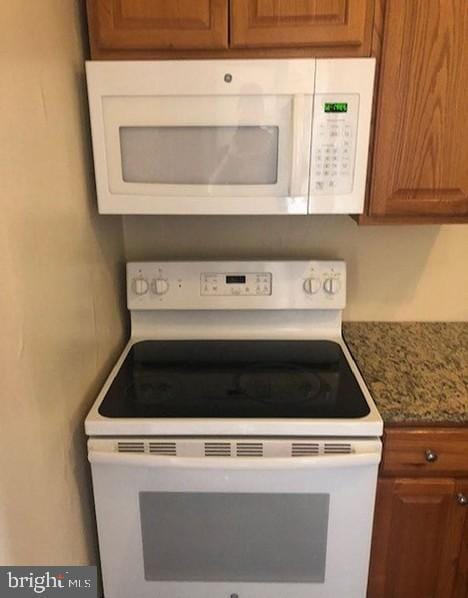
395	273
61	318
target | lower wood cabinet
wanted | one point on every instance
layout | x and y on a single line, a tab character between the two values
420	539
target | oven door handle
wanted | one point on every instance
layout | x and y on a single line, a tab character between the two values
233	463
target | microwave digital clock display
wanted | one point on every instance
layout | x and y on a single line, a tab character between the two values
336	106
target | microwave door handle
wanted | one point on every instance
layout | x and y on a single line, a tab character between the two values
298	149
262	463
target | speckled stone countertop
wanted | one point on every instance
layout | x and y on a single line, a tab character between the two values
416	372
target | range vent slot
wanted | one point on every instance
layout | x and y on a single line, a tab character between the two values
332	448
304	449
163	448
249	449
217	449
130	447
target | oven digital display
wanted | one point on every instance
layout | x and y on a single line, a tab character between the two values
336	106
231	279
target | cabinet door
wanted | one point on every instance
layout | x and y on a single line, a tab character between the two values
290	23
157	24
421	131
461	582
418	531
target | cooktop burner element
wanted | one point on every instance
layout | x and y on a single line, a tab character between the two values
235	379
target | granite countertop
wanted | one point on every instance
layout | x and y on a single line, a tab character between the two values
417	372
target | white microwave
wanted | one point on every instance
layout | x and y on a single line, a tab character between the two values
231	136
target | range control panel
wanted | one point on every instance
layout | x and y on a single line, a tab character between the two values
334	143
235	283
298	284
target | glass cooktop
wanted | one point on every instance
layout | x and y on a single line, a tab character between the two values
235	379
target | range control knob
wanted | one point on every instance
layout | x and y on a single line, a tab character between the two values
160	286
331	286
140	286
312	285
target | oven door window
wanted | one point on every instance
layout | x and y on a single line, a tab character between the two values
246	537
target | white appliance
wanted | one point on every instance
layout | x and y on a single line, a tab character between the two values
231	136
234	447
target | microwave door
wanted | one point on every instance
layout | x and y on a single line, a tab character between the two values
207	154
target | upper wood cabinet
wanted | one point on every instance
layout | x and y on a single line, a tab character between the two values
229	28
157	24
420	153
283	23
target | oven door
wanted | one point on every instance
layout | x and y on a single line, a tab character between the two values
205	154
248	527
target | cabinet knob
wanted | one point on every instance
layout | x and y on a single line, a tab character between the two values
462	499
431	456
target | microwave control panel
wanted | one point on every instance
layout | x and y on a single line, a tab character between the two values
334	137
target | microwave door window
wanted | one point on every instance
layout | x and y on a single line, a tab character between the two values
200	155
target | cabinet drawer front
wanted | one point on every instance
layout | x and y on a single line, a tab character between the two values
438	452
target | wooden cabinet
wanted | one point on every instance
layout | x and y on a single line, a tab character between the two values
229	28
286	23
420	534
420	157
135	25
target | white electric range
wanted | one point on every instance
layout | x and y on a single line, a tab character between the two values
234	447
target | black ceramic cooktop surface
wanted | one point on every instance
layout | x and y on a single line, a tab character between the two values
235	379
